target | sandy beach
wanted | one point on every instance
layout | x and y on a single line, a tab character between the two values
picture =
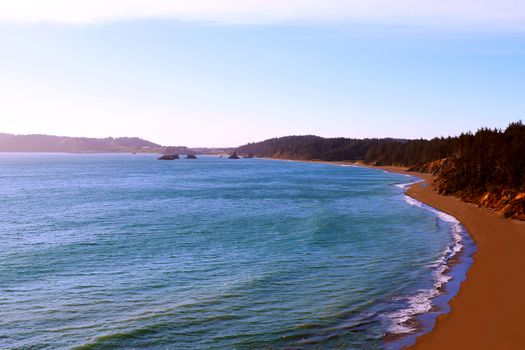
489	310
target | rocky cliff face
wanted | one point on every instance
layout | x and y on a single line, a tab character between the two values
451	180
434	167
510	204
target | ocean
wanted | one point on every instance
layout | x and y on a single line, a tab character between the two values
121	251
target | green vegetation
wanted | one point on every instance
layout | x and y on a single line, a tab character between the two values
487	167
469	165
313	148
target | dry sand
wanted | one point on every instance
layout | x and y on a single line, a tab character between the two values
489	310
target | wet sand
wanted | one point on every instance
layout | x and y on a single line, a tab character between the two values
489	310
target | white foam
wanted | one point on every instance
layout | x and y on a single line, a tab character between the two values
413	202
421	302
441	215
408	184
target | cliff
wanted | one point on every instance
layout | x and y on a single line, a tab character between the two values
507	201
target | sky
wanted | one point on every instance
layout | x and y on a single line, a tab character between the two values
223	73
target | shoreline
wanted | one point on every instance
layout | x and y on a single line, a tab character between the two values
454	267
449	274
487	311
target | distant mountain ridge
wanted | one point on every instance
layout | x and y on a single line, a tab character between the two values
47	143
67	144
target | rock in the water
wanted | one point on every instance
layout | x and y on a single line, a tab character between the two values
249	155
169	157
191	156
234	156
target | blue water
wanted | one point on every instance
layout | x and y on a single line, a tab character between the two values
127	252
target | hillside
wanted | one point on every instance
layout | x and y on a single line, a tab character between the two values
486	167
313	148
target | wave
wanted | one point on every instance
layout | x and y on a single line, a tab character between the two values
405	186
402	322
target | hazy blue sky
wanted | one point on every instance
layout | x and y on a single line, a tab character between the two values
223	75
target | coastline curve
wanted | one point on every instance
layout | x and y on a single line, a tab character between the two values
450	270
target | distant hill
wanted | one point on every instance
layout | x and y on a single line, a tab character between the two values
311	147
199	150
46	143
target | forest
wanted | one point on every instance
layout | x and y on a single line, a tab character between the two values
486	167
315	148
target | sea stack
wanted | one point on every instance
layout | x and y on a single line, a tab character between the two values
169	157
191	156
234	156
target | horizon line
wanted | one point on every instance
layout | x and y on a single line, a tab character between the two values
250	142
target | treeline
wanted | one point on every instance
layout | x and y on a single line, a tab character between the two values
488	160
491	160
314	148
410	153
46	143
486	167
385	151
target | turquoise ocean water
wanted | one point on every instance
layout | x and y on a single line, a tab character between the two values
127	252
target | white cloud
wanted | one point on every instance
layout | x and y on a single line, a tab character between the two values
499	13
